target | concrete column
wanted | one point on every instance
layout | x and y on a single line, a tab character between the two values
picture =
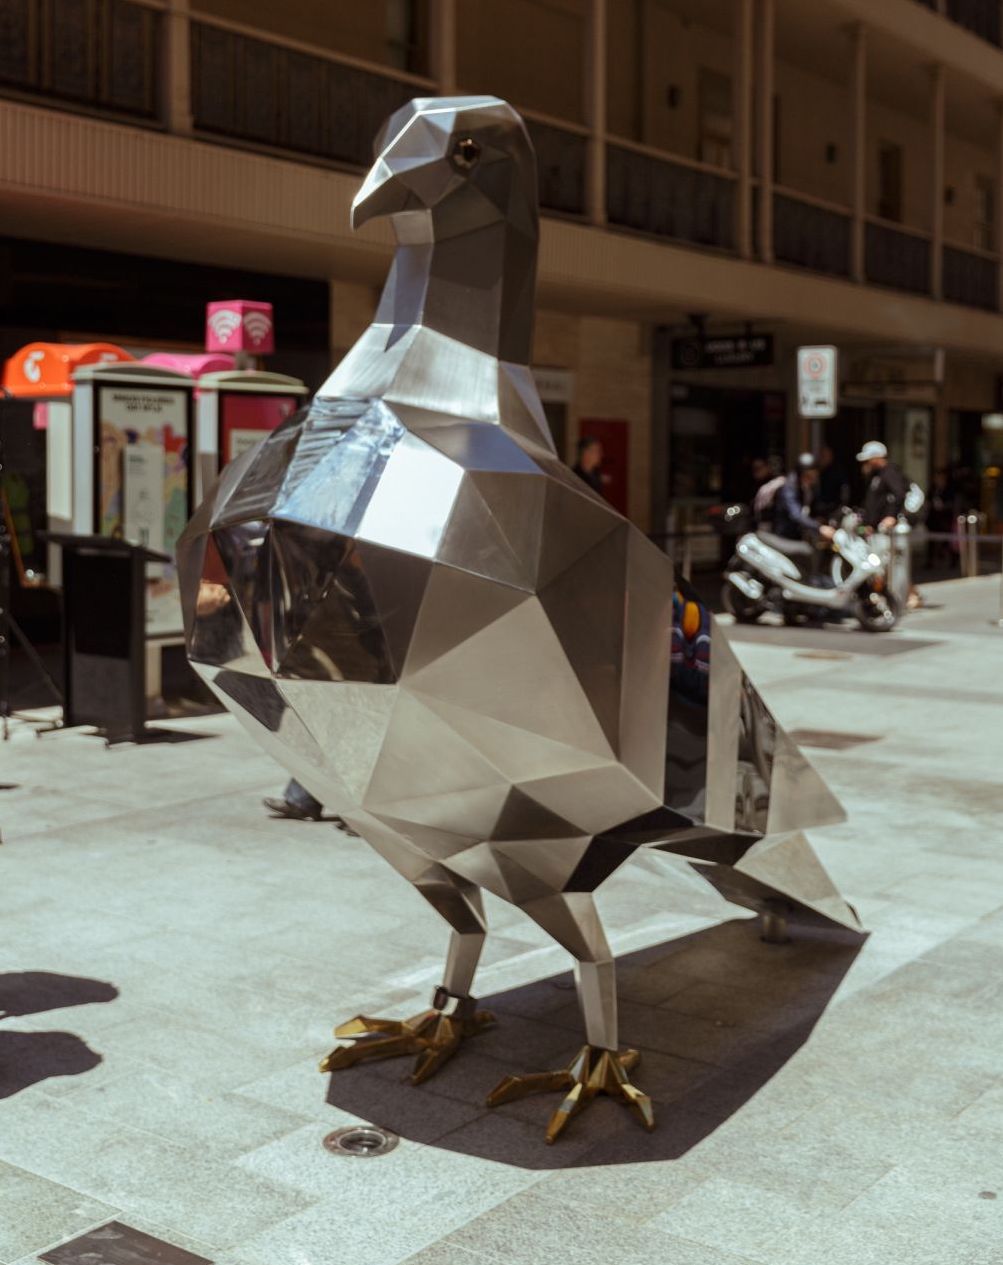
442	16
352	307
661	420
178	68
937	100
998	203
858	151
764	127
742	121
595	113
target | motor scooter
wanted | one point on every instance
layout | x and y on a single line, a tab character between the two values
771	573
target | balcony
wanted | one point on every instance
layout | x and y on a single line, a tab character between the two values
811	234
102	56
981	17
669	197
561	155
897	257
971	278
270	94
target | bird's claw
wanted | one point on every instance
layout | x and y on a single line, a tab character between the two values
434	1036
592	1071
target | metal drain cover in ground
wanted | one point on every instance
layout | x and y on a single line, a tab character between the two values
361	1141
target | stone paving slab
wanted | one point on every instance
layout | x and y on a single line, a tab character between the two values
172	962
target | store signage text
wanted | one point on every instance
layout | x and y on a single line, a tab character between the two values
738	352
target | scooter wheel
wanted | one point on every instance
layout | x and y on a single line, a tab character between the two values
877	612
738	606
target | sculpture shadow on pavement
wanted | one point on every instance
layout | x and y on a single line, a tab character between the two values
715	1015
29	1057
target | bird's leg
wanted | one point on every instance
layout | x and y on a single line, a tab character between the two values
433	1035
599	1067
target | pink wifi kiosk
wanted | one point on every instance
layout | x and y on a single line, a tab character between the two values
238	404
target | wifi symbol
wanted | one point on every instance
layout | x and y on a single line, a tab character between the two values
224	322
258	326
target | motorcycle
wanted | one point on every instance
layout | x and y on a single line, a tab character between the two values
770	573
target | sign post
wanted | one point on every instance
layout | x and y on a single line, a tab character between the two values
817	381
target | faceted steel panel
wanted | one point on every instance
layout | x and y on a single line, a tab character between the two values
458	646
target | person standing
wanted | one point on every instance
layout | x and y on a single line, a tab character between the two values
941	520
795	508
588	465
885	487
833	486
884	497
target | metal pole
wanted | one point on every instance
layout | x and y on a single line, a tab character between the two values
764	127
999	613
743	112
858	111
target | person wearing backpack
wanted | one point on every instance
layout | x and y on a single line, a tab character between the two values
886	487
887	496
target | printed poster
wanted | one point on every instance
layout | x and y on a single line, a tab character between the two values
143	485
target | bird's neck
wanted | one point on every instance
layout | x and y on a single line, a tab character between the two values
477	289
451	310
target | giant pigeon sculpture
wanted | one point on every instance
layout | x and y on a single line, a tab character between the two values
461	649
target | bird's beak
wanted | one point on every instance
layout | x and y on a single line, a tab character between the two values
381	194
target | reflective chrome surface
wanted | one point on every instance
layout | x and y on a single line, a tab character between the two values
456	645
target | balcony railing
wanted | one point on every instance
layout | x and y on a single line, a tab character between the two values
103	54
896	258
669	198
270	94
561	156
981	17
971	278
811	235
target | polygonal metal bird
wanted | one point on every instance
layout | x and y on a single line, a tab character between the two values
460	648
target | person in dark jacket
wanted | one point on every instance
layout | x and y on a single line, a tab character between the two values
833	485
796	504
886	487
589	464
884	497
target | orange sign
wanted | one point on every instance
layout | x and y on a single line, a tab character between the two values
45	370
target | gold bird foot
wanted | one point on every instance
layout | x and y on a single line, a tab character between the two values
592	1071
434	1035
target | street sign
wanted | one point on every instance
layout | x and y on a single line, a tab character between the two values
738	352
817	381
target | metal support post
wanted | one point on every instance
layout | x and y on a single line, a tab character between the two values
595	113
937	107
178	68
743	113
443	46
764	128
858	108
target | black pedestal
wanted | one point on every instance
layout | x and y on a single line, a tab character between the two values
104	634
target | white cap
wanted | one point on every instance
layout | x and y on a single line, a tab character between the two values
873	448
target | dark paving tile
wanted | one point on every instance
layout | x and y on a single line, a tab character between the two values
118	1244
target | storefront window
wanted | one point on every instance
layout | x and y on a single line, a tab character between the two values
908	430
714	437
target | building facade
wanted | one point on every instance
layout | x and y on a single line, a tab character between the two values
722	181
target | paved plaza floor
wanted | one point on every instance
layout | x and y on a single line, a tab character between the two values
172	961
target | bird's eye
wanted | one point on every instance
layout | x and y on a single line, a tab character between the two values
465	153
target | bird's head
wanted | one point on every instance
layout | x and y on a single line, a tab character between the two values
460	163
